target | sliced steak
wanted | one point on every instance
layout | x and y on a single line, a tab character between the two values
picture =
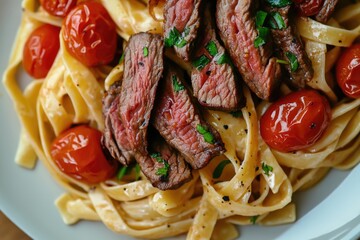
289	46
182	21
165	167
143	69
114	136
213	79
326	11
237	29
181	125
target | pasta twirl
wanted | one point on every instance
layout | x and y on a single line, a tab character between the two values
207	207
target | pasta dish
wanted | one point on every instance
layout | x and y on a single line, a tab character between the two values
186	117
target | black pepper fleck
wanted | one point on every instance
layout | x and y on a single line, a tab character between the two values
226	198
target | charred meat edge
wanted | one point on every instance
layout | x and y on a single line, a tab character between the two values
288	41
236	24
326	11
177	119
216	84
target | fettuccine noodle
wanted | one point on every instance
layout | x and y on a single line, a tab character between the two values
205	207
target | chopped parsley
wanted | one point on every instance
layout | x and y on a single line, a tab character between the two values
201	62
294	63
137	172
125	170
279	3
176	39
266	168
122	57
224	59
253	219
208	136
281	61
145	51
163	171
122	172
279	21
219	169
263	36
176	84
260	18
211	48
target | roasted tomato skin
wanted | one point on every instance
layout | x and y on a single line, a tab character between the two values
348	71
78	153
308	7
90	34
40	50
58	8
295	121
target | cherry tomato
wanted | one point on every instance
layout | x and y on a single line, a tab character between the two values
348	71
308	7
90	34
77	152
295	121
58	8
40	50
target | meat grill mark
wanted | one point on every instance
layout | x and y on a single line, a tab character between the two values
177	120
235	20
184	15
215	85
326	11
288	41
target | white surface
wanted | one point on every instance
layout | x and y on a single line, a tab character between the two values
331	210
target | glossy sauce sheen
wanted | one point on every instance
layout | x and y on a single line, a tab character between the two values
296	121
58	8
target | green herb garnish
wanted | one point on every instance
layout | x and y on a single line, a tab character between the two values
236	114
260	18
122	172
208	137
175	38
122	57
137	172
219	169
211	48
280	23
253	219
281	61
263	36
176	84
279	3
224	59
163	171
201	62
294	63
266	168
145	51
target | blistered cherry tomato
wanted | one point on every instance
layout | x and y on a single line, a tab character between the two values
308	7
58	8
77	152
295	121
348	71
90	34
40	50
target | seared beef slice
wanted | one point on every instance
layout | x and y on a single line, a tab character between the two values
235	20
182	21
289	44
326	10
179	122
214	82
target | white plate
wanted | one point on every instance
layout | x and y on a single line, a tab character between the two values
331	210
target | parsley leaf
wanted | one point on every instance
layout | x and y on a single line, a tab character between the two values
208	137
145	51
122	57
280	23
201	62
211	48
224	59
260	18
266	168
122	172
281	61
163	171
294	63
263	36
253	219
137	172
176	84
175	38
279	3
219	169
